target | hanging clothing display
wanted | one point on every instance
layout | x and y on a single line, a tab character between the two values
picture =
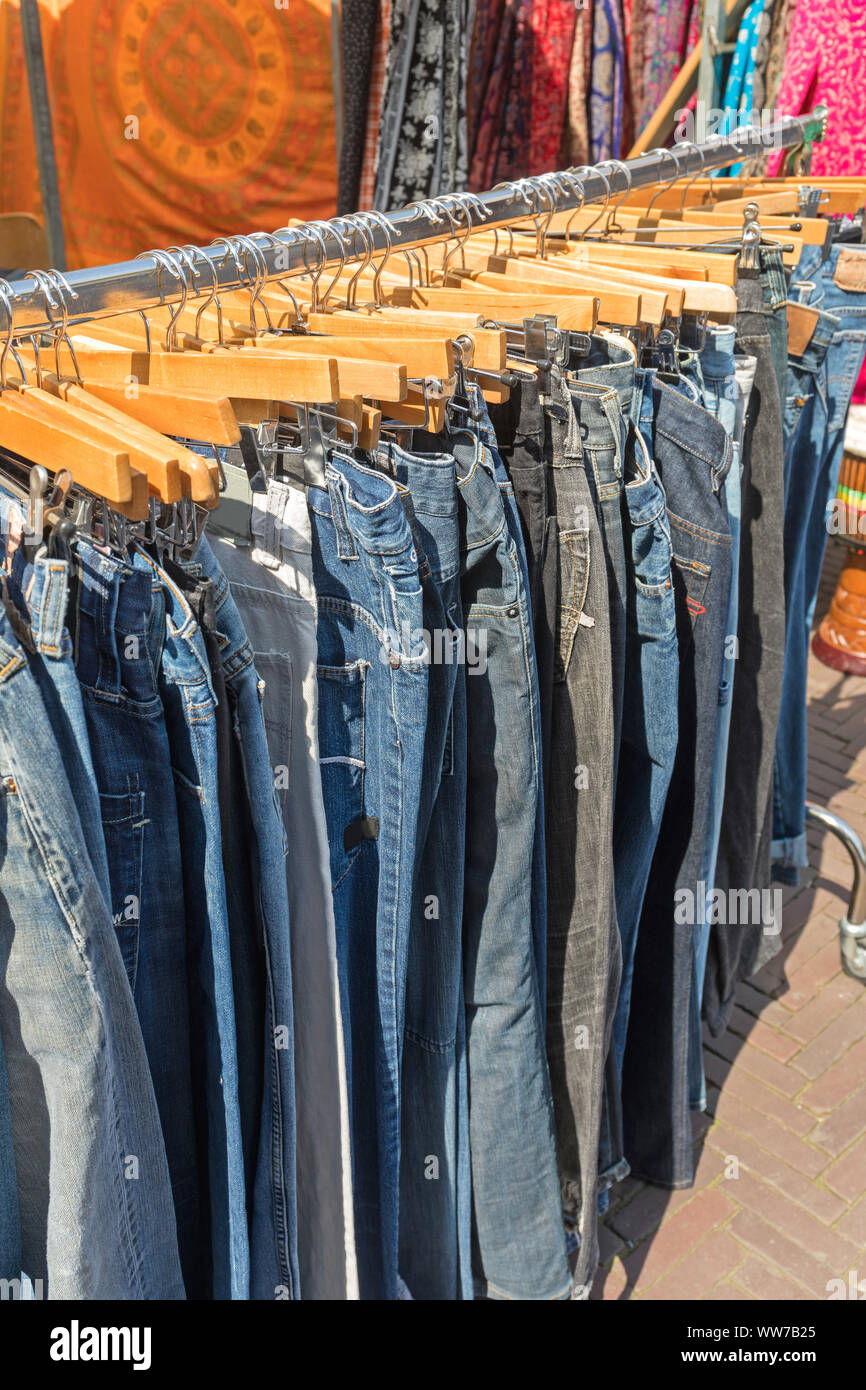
389	700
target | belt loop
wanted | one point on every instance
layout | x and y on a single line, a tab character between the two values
611	407
573	447
346	548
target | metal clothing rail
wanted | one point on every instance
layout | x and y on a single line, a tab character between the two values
233	263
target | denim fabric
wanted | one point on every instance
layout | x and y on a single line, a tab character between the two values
435	1200
650	724
720	397
94	1197
188	699
693	455
805	432
814	456
568	581
119	624
273	1209
10	1218
519	1242
272	585
602	391
743	861
372	722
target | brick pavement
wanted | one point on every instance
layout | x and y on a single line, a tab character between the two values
786	1086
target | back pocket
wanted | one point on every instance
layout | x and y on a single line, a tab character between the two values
342	753
123	825
573	579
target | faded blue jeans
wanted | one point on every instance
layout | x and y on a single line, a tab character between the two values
188	700
372	722
89	1155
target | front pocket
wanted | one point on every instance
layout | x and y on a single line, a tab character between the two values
690	586
123	826
573	578
342	751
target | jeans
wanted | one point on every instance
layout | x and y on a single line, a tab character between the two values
650	724
186	689
693	455
539	440
273	1222
372	722
519	1242
435	1201
721	398
272	585
119	626
743	862
815	433
89	1155
602	390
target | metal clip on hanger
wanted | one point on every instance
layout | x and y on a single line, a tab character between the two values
750	252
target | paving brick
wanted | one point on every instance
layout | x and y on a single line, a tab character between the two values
610	1285
726	1293
642	1215
846	1124
769	1010
756	1094
770	1134
838	1083
678	1234
804	983
756	1063
832	1001
702	1267
848	1175
834	1041
769	1168
762	1036
764	1281
771	1245
853	1224
822	1244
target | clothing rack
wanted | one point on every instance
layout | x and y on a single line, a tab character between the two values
233	263
147	282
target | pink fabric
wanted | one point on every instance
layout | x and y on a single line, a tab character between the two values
859	396
826	63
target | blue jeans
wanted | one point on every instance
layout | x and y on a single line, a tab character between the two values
435	1200
273	1221
819	392
89	1155
188	699
649	732
120	630
693	455
720	397
372	722
518	1232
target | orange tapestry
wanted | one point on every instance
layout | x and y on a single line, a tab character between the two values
173	121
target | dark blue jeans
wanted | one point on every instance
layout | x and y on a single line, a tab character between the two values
518	1233
693	454
120	626
435	1198
372	677
820	386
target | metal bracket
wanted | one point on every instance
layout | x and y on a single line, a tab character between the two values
852	927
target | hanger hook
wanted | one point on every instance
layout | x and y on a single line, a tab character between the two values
6	296
611	223
663	187
698	151
606	181
53	281
388	232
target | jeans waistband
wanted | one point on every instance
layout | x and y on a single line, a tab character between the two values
365	508
816	348
774	283
617	376
693	428
47	600
117	598
600	420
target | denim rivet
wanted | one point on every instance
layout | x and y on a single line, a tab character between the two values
393	659
513	612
